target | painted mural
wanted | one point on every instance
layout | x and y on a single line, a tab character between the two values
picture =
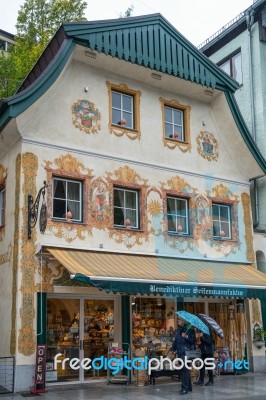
70	167
3	176
27	334
98	210
128	177
85	116
207	146
246	204
15	258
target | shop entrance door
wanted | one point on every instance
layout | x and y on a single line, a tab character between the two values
77	328
62	337
98	333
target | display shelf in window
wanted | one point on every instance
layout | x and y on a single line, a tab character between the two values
116	354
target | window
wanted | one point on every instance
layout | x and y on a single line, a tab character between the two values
174	123
177	215
233	67
124	106
122	109
176	128
2	207
67	196
221	216
126	208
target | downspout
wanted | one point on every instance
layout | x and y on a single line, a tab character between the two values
256	204
250	22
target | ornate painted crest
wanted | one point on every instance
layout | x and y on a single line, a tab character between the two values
86	116
207	146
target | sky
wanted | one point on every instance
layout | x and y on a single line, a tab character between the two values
197	20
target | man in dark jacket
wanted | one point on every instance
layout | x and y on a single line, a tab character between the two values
207	350
185	339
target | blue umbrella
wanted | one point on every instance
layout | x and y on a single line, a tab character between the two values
193	320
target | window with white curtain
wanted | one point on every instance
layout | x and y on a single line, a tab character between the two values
126	208
67	199
177	215
221	217
2	206
233	66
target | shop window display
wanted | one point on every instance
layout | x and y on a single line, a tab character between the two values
62	337
98	331
153	323
68	335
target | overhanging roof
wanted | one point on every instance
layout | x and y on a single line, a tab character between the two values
132	274
149	41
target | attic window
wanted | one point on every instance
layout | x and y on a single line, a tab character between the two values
176	125
124	110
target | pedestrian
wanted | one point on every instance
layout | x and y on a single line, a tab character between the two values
185	339
207	350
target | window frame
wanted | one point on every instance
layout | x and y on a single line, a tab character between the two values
138	198
229	221
229	59
123	111
187	216
185	142
2	205
120	129
81	202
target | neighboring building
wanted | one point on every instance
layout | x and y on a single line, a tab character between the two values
148	164
6	40
239	49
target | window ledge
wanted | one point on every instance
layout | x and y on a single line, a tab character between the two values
183	235
119	130
128	229
225	240
61	221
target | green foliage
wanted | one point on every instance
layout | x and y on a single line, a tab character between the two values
128	13
259	333
37	22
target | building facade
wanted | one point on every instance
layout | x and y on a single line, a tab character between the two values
239	49
124	198
6	40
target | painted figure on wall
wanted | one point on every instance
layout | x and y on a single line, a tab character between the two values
86	117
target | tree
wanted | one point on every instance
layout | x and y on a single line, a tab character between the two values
128	13
37	22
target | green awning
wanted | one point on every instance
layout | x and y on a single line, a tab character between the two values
167	276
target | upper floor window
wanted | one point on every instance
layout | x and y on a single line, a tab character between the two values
126	208
124	110
221	216
233	67
2	206
174	123
177	215
176	127
67	199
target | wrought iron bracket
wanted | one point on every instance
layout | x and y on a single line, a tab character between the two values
33	211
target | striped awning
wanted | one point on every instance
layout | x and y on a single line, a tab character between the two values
144	274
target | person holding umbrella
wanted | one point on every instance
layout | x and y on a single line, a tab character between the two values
207	350
185	339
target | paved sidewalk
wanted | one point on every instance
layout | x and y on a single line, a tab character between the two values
251	386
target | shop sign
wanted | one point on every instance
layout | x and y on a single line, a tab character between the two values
190	290
40	366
